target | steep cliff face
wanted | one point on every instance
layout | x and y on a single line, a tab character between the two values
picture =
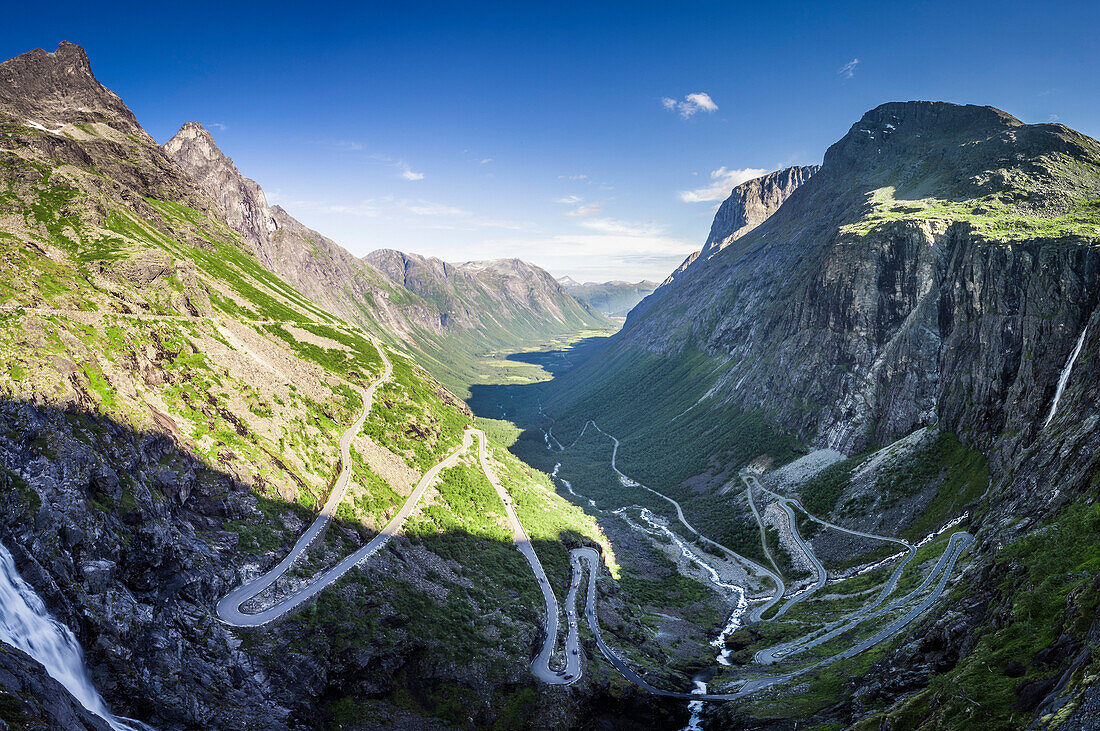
748	205
940	265
752	203
241	199
435	307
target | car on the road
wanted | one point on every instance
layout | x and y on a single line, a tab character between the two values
574	651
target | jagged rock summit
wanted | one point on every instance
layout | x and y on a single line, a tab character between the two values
241	198
751	203
748	205
56	89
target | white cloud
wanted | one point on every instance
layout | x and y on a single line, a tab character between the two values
426	208
219	126
486	160
570	200
366	209
588	209
616	227
696	102
582	176
849	69
408	174
723	181
417	213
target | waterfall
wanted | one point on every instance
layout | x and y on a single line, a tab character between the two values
25	623
1064	378
695	723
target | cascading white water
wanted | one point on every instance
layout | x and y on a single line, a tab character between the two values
1064	378
25	624
695	723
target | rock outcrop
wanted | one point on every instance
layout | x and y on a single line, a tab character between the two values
751	203
748	205
53	89
241	199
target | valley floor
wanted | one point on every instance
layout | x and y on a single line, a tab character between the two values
772	628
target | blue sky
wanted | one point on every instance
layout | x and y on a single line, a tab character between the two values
594	139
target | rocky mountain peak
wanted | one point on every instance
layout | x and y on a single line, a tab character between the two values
193	133
245	205
912	143
749	205
752	203
59	88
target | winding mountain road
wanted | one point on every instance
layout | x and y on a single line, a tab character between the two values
229	608
541	664
630	482
821	577
957	543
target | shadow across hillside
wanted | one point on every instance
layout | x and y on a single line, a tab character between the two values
522	399
672	438
131	539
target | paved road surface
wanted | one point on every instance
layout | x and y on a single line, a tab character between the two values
229	607
944	566
541	664
629	482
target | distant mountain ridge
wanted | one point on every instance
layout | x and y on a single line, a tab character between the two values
615	298
436	307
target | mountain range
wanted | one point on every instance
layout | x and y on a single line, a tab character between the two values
614	299
173	413
926	304
839	470
463	309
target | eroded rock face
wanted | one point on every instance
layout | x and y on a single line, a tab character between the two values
242	200
59	87
33	699
135	577
752	203
748	205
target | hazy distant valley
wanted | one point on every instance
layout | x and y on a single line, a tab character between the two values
838	470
